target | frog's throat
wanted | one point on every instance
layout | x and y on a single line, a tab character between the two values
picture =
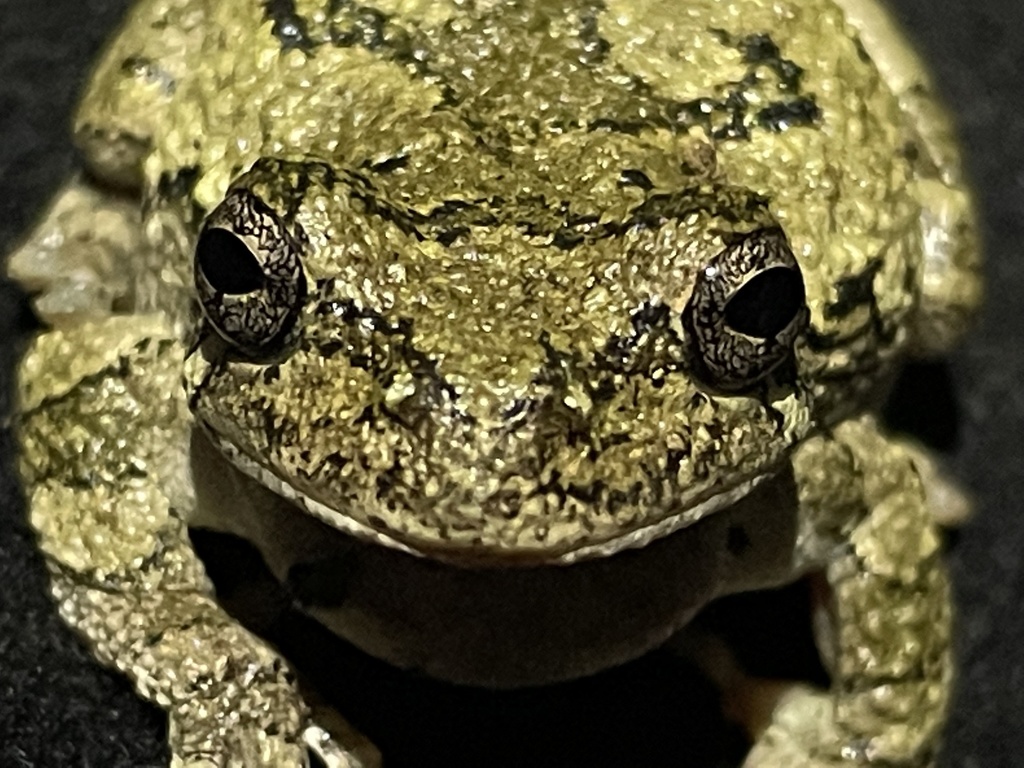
634	538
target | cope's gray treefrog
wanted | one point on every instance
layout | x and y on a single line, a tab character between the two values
525	307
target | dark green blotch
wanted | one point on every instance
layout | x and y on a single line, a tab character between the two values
854	291
759	48
177	185
367	30
289	27
389	165
633	177
595	47
783	115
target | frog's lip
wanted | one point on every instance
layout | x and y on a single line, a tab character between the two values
467	555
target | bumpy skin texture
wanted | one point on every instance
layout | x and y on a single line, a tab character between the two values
482	230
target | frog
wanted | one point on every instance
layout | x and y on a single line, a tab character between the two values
527	327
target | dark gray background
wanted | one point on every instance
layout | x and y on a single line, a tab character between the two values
58	709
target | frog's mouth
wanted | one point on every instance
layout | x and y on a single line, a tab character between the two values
687	514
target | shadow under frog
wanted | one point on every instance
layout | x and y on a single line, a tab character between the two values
437	662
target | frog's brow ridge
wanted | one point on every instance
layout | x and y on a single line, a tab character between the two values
453	218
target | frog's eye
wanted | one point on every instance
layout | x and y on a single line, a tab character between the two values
747	309
248	273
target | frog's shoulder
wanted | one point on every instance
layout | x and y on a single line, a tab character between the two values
952	281
133	86
906	76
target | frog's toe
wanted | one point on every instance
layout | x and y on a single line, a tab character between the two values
246	755
804	734
314	748
949	503
801	722
326	752
193	746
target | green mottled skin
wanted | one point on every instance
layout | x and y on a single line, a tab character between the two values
503	210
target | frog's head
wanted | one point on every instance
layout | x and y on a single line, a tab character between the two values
513	380
562	279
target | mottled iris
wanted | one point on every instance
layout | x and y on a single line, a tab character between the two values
747	309
248	273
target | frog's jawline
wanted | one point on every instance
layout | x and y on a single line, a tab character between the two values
469	556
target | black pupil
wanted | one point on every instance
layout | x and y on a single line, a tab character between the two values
767	303
227	263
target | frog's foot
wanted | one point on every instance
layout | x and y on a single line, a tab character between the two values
193	747
331	754
232	701
332	730
804	733
255	747
949	504
866	517
802	718
106	453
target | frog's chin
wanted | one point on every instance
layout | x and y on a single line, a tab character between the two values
466	555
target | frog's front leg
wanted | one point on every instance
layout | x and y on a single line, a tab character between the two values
104	431
951	278
104	456
865	520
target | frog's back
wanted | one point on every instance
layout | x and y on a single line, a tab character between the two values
599	105
549	169
449	98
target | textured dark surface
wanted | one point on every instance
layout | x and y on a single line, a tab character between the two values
58	709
